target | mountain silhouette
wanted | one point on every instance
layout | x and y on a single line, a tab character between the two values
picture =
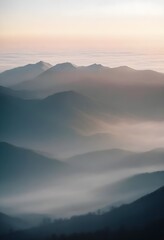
18	75
114	159
135	215
23	169
57	119
9	224
125	92
66	67
130	188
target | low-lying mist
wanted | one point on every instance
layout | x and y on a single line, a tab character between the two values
78	193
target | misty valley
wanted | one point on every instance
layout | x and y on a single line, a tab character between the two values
81	153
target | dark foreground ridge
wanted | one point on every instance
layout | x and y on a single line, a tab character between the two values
142	219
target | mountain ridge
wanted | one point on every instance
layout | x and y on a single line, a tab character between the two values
135	215
18	75
24	168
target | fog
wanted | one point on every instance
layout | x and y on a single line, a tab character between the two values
130	135
75	194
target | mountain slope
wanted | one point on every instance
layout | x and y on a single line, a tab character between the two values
64	74
63	67
8	224
5	91
114	159
130	188
136	215
56	75
23	169
20	74
61	118
125	92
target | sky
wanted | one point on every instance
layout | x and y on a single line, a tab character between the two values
82	25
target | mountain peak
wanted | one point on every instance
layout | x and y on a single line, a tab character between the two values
96	67
63	95
23	73
40	62
67	66
124	68
43	64
65	99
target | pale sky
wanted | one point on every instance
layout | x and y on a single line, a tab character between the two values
82	24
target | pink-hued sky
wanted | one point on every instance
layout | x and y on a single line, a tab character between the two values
82	25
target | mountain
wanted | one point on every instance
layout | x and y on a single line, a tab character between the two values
98	161
22	169
64	76
70	99
63	67
95	67
4	91
125	92
58	122
114	159
131	188
7	91
151	158
56	75
122	175
20	74
9	224
142	211
135	215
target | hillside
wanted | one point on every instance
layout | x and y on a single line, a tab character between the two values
136	215
23	170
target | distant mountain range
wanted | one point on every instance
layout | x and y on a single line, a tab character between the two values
113	159
66	76
125	92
